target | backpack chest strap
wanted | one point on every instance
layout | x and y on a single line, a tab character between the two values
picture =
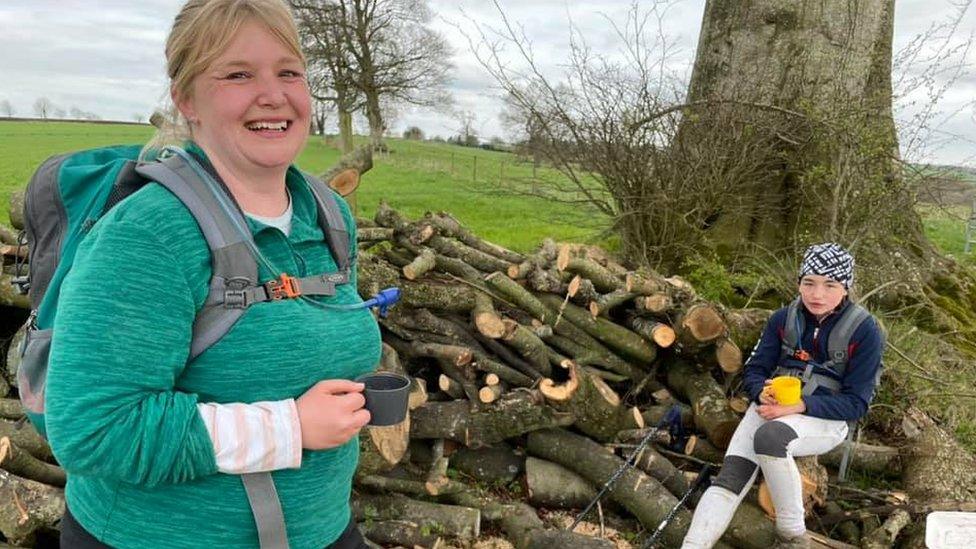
812	380
284	287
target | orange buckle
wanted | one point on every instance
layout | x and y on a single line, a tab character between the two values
801	354
286	287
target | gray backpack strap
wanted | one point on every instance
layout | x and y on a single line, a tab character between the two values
234	267
266	507
840	338
792	330
233	286
332	223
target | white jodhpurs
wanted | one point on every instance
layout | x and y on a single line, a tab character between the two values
770	446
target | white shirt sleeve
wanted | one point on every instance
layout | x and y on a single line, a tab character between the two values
253	438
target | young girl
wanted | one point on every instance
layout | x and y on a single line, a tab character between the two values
839	379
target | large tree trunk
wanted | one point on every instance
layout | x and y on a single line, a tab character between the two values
757	63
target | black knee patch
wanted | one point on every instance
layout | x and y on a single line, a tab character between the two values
736	473
772	438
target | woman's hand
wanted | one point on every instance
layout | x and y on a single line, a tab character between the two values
331	413
773	411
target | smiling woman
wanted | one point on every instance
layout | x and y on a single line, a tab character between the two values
251	441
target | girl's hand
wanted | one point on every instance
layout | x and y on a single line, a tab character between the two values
331	413
766	395
773	411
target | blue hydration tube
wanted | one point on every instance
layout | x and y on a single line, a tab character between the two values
382	301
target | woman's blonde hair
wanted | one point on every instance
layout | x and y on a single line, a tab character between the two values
201	32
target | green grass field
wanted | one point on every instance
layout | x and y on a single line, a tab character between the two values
413	177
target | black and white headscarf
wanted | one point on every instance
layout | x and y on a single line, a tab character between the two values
829	260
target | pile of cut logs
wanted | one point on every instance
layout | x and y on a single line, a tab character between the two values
535	378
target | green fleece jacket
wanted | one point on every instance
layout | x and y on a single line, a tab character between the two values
121	398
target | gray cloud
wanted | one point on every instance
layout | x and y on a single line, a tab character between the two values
106	56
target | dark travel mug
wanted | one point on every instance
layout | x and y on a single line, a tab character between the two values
386	397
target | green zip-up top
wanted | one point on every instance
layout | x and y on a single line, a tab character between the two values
122	400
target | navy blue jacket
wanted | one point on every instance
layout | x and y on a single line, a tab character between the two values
857	385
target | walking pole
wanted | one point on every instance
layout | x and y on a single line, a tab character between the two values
613	478
705	473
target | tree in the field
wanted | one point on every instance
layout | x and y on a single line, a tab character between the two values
331	76
6	108
372	54
43	107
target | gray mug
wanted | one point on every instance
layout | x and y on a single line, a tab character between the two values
387	395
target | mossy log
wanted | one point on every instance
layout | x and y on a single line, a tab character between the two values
421	264
448	225
366	235
515	413
523	527
382	448
507	356
602	305
9	295
375	274
640	494
11	408
529	345
604	280
16	210
448	520
724	354
746	325
618	338
29	506
476	258
711	409
540	259
23	464
847	531
867	458
885	536
699	324
485	318
662	470
400	533
499	464
935	467
8	235
512	291
596	408
704	450
408	487
360	161
25	436
655	413
553	486
592	353
659	333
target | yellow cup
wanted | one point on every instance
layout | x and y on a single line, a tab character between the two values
786	389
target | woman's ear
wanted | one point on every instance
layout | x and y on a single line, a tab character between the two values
184	104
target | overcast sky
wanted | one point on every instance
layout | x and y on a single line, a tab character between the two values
106	57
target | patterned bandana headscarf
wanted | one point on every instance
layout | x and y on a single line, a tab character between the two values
829	260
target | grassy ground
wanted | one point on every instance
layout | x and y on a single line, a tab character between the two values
413	177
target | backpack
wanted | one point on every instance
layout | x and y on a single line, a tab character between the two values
69	193
838	357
